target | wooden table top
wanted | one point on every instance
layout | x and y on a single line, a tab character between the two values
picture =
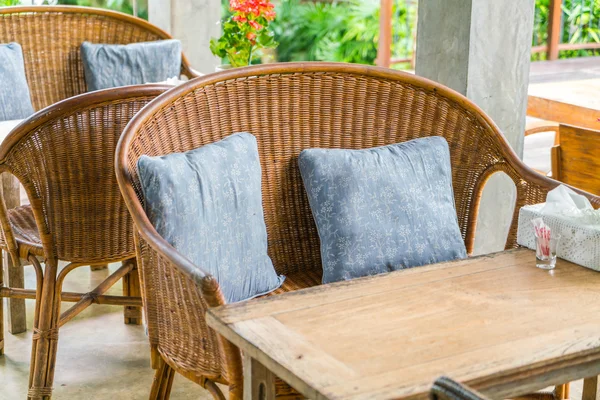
582	93
566	91
496	323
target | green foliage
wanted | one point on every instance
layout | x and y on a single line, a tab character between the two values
125	6
348	30
580	24
338	31
246	30
240	41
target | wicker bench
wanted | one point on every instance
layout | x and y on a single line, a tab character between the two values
290	107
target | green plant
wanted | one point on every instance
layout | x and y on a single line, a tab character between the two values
346	31
245	31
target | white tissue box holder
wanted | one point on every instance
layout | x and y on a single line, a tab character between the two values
579	242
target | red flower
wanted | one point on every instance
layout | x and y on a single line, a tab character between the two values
251	35
255	25
255	8
240	18
269	15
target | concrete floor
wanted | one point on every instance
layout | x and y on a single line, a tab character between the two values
536	151
99	357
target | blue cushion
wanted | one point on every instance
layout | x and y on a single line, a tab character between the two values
15	102
207	203
382	209
111	65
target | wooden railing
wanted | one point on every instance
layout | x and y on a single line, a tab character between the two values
550	41
557	25
384	49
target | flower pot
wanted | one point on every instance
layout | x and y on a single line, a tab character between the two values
223	67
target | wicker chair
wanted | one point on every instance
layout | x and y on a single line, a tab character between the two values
51	36
290	107
63	156
446	389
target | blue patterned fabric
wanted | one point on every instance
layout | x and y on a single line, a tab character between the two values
112	65
382	209
207	203
15	101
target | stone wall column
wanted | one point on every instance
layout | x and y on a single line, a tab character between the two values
193	22
482	49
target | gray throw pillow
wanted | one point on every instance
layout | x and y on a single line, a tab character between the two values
382	209
207	203
112	65
15	101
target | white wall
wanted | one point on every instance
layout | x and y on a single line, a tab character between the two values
193	22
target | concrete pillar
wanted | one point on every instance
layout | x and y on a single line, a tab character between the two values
193	22
482	49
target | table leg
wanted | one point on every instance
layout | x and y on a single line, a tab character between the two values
591	389
17	323
259	382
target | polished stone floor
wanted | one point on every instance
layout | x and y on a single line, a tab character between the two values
99	357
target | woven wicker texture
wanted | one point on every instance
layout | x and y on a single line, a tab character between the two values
65	162
25	232
291	107
51	36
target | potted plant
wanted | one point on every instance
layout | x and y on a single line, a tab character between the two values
245	31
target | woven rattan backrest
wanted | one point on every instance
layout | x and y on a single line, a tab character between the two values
290	107
51	36
64	157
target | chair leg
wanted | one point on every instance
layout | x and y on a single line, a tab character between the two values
97	267
561	392
591	388
1	310
17	317
45	336
214	390
155	359
131	287
163	382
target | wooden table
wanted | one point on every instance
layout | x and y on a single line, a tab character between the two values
566	91
495	322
